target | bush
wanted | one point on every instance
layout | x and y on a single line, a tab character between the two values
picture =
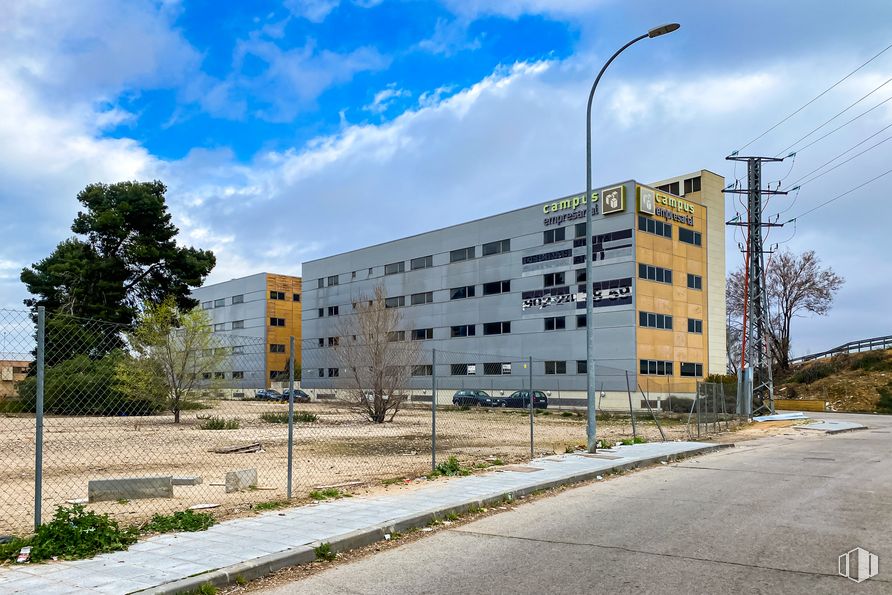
813	373
873	361
323	552
220	423
282	418
84	386
186	521
884	405
450	468
75	533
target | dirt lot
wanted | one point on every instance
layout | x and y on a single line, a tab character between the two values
337	448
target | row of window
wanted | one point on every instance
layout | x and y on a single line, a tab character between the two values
661	275
652	367
664	321
280	295
240	299
235	375
660	228
690	185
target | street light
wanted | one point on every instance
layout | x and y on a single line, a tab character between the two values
589	269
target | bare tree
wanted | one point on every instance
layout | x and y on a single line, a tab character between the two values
173	355
795	285
373	353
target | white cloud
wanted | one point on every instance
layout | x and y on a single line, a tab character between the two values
473	9
313	10
385	97
449	37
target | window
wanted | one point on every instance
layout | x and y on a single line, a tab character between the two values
558	234
581	366
497	368
580	321
321	312
462	369
238	375
552	279
393	336
461	254
220	326
207	305
691	369
422	298
655	367
652	273
460	293
496	247
580	275
238	349
206	375
353	275
320	283
496	287
555	323
334	310
395	302
334	372
332	280
497	328
422	334
692	185
394	268
238	324
321	342
580	230
423	370
295	297
277	322
334	341
695	326
672	188
277	348
695	281
651	320
555	367
463	330
277	295
220	303
424	262
238	299
688	236
655	227
219	375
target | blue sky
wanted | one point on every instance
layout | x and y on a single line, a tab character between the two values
288	130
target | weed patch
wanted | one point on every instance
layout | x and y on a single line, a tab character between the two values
219	423
884	405
323	552
450	468
273	505
328	494
183	521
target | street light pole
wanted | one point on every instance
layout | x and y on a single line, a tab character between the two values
589	268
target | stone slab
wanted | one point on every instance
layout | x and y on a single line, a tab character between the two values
188	480
129	488
236	481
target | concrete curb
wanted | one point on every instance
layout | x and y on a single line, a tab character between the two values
305	554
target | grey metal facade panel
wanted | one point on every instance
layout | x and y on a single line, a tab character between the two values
525	229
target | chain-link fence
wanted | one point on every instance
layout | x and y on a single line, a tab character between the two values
134	424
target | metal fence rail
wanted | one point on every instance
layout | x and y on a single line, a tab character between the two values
850	347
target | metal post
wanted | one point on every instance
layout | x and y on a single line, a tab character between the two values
631	410
698	409
290	415
434	410
532	453
715	409
38	415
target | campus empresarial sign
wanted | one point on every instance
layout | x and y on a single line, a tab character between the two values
670	208
568	209
614	200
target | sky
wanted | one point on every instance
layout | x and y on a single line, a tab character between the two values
288	130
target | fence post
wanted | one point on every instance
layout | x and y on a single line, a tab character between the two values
532	411
38	416
631	411
290	415
434	410
698	409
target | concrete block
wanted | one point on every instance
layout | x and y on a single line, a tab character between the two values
236	481
187	480
129	488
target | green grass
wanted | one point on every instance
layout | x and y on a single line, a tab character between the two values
450	468
392	481
273	505
328	494
635	440
451	516
282	417
566	414
183	521
323	552
205	589
219	423
194	406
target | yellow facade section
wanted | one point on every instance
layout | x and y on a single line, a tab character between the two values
283	301
675	299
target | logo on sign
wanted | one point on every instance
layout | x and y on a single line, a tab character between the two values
614	200
646	200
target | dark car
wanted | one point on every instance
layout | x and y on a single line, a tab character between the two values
299	395
521	398
268	394
477	398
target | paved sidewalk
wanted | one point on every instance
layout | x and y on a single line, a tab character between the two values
254	546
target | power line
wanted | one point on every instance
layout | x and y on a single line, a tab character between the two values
883	129
821	94
841	163
837	197
850	106
843	125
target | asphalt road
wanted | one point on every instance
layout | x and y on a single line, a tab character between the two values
768	516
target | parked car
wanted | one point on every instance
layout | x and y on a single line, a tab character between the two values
299	395
268	394
521	398
477	398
